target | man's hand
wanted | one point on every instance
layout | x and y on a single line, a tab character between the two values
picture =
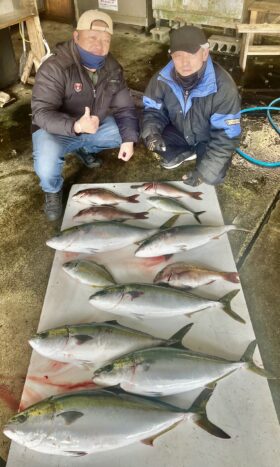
126	151
87	123
192	178
155	143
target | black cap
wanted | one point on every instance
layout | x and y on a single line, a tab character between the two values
187	39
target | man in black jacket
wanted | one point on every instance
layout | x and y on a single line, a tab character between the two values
192	110
80	103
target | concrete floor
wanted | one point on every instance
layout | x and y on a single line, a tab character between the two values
249	192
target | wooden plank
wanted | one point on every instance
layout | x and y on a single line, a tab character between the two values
272	7
14	18
264	50
36	37
244	51
258	28
28	67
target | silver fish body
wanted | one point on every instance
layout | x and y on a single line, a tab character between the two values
89	273
92	343
166	189
107	213
164	371
180	238
85	422
172	205
149	301
98	236
102	196
184	275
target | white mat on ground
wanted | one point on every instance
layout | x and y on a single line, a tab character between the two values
241	403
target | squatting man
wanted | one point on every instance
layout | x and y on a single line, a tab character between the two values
192	110
80	104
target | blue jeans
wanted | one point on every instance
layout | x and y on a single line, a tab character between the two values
49	151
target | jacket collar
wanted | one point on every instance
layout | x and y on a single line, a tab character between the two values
206	86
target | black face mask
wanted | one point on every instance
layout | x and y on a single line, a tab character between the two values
189	82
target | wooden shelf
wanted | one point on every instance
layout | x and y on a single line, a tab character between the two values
259	28
14	18
272	7
264	50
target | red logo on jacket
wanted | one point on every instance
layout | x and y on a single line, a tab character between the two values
78	87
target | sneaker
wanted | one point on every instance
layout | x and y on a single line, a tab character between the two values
178	160
89	160
53	205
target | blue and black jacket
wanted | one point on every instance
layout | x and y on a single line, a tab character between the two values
209	118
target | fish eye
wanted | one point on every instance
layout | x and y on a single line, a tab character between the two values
22	418
43	335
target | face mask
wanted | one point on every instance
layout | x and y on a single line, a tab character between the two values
90	60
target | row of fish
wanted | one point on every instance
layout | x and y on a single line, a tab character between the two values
142	365
179	274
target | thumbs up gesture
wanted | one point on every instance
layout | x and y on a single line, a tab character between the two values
87	123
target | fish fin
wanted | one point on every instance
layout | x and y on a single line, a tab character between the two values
70	416
179	335
82	338
232	277
248	358
208	426
195	194
212	384
150	441
77	453
225	300
197	214
142	215
170	222
198	408
188	315
133	199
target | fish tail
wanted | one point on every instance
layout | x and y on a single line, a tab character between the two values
196	194
226	300
248	358
199	409
179	335
133	199
235	223
197	214
232	277
141	215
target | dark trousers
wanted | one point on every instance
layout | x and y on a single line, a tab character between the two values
176	144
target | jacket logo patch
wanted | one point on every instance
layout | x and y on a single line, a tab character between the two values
78	87
233	121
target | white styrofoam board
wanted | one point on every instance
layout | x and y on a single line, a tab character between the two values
241	404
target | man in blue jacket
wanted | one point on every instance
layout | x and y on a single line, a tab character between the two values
192	110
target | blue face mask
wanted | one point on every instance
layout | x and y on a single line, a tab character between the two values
90	60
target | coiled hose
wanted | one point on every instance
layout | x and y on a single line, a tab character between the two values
274	126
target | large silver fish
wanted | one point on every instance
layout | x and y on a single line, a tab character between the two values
102	196
165	189
165	371
155	301
188	276
181	238
172	205
107	213
89	273
95	343
85	422
98	236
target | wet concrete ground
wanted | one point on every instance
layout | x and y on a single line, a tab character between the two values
249	192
